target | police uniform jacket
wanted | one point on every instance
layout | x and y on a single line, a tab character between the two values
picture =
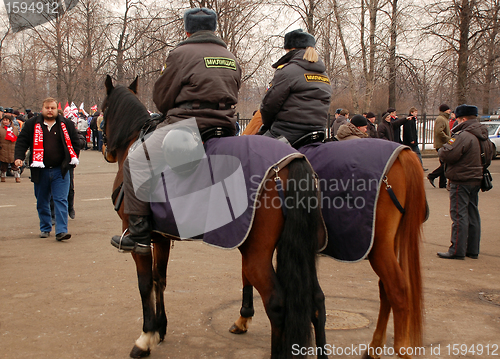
462	153
25	142
298	97
201	79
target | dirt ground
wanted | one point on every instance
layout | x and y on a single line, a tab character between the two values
79	298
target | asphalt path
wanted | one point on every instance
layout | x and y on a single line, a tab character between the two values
79	298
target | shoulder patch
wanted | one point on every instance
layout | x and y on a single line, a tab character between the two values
317	78
220	63
451	141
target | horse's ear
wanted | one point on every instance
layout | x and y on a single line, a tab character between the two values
109	84
133	85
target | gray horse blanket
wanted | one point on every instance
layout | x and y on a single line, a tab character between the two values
350	175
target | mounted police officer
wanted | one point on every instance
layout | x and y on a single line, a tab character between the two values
201	79
298	98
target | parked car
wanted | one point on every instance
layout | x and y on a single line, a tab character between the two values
494	132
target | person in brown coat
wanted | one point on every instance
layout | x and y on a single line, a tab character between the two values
442	135
201	79
354	129
8	137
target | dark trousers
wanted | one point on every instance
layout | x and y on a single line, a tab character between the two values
464	212
439	172
94	139
132	204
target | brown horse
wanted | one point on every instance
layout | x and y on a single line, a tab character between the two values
291	295
396	236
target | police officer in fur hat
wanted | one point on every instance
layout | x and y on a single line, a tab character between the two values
201	79
464	168
298	97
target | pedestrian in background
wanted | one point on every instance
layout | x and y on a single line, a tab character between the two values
442	135
8	137
371	128
410	134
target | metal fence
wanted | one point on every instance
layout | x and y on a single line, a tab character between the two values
425	128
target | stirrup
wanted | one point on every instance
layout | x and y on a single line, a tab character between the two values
120	244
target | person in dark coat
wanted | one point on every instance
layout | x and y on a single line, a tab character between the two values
201	80
342	119
410	134
464	169
54	147
371	129
396	127
386	126
298	98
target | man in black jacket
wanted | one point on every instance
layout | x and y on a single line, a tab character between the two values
464	168
53	141
410	134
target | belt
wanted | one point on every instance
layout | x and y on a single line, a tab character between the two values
200	105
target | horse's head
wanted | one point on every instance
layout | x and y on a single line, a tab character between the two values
124	116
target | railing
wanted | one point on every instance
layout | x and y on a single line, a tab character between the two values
425	128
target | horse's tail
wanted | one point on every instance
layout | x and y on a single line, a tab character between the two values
409	237
296	256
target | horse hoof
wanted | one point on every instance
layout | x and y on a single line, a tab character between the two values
139	353
366	356
237	330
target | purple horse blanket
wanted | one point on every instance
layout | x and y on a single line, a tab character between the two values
217	202
350	174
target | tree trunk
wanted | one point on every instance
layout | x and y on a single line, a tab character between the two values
392	56
463	51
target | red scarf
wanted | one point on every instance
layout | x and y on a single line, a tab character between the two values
9	136
38	146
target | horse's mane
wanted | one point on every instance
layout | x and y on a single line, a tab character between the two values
125	115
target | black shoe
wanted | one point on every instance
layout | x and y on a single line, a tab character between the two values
473	256
448	255
44	234
127	244
138	240
71	213
62	236
431	180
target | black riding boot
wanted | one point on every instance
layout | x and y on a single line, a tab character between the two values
138	240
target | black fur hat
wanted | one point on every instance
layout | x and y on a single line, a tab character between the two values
466	110
298	39
198	19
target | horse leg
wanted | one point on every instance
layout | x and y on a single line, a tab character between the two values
379	337
394	287
149	336
261	273
247	311
161	252
319	319
257	268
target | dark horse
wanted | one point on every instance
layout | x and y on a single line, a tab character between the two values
395	255
291	295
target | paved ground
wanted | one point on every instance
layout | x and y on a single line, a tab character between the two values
79	299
